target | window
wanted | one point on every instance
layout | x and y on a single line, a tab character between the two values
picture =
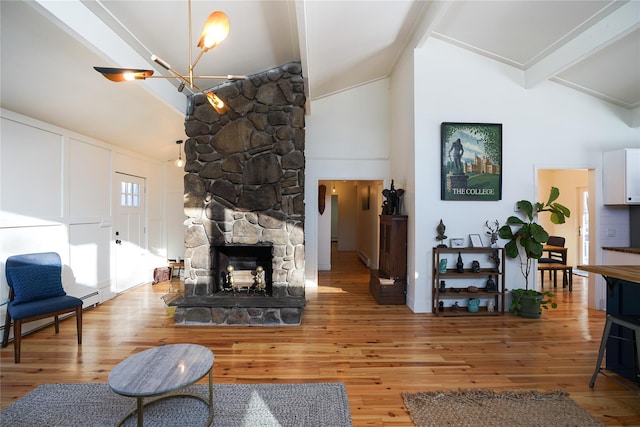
129	194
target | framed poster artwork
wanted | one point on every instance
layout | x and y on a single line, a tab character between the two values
457	242
471	161
476	241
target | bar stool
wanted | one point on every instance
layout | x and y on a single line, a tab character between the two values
629	322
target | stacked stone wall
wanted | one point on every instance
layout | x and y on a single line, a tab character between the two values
244	180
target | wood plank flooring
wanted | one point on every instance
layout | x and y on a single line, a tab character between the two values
377	351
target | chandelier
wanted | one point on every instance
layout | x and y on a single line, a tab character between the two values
215	31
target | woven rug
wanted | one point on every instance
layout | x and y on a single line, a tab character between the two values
482	407
235	405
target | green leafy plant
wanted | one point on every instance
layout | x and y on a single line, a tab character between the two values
543	300
526	239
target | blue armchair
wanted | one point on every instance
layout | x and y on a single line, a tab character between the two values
35	292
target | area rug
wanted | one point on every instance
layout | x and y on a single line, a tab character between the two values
482	407
235	405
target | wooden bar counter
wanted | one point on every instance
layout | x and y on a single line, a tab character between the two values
630	273
623	298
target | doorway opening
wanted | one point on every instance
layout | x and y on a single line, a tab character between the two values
352	225
575	194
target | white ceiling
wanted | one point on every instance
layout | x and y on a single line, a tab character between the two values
48	49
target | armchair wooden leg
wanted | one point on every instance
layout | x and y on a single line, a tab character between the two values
7	327
17	338
79	323
56	323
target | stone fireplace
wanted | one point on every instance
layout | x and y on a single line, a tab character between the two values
244	199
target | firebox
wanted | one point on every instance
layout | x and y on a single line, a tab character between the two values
242	269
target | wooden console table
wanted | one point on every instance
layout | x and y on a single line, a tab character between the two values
172	267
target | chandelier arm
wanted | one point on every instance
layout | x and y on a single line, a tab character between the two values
180	78
216	22
169	68
193	65
190	46
195	77
227	77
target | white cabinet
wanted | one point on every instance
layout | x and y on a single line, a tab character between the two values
621	177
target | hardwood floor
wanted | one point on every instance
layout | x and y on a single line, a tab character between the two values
377	351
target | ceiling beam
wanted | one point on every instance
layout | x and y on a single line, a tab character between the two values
87	27
303	44
616	25
436	11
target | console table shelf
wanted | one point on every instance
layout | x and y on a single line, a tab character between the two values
456	290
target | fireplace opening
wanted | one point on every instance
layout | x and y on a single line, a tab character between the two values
242	269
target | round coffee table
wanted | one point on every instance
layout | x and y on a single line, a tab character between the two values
161	371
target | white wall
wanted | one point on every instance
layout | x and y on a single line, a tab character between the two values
56	195
347	138
545	127
176	217
402	154
368	221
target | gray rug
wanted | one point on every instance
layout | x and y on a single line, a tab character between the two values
309	404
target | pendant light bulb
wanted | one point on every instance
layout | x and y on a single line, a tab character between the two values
215	31
214	100
179	161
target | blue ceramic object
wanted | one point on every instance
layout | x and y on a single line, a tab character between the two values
473	305
443	266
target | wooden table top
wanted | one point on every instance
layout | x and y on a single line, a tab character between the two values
624	272
554	248
160	370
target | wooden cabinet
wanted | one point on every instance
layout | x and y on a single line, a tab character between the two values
388	284
457	284
621	177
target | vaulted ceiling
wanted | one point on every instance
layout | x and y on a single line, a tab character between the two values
48	49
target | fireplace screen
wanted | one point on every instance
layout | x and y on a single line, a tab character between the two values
243	268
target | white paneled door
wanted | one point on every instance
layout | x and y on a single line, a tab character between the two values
129	231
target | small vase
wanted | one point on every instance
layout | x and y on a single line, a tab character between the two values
459	264
491	285
443	287
443	266
473	305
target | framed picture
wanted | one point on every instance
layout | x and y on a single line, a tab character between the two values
476	241
457	243
471	161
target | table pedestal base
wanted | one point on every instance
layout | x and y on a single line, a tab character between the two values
141	404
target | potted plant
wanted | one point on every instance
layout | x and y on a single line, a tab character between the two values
525	241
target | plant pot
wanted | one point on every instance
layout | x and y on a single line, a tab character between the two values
530	306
